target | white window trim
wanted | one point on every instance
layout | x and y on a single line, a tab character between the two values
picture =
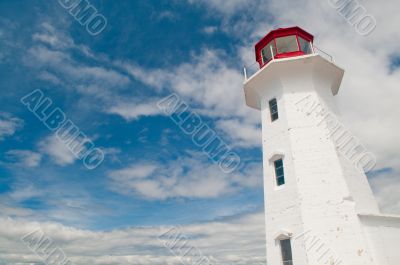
283	234
278	154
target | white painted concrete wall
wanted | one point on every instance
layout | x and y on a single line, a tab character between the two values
282	204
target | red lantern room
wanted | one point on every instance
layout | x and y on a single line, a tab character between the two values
283	43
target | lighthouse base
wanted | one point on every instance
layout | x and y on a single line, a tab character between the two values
383	235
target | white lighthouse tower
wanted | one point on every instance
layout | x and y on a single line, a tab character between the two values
319	205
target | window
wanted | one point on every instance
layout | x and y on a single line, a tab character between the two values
279	174
273	109
304	46
287	44
286	250
266	52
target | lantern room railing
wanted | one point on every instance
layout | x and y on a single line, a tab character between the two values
323	54
250	70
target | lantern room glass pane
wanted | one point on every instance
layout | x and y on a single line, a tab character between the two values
305	46
287	44
266	52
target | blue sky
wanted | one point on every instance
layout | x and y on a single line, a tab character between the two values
150	35
109	84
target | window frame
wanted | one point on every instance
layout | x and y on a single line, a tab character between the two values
276	173
273	44
307	43
271	113
289	252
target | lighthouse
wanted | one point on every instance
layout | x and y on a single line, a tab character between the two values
319	207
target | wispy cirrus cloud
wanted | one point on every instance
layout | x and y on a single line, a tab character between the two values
70	70
189	177
227	8
132	111
9	124
206	80
54	55
59	59
26	158
212	87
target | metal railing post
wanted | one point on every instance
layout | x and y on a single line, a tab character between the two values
272	53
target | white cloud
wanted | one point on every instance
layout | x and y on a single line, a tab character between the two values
206	80
209	81
238	240
46	76
9	125
24	157
157	79
8	211
133	111
54	54
23	193
183	178
241	133
210	30
133	172
56	39
209	86
57	150
112	153
71	70
225	7
165	15
386	186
